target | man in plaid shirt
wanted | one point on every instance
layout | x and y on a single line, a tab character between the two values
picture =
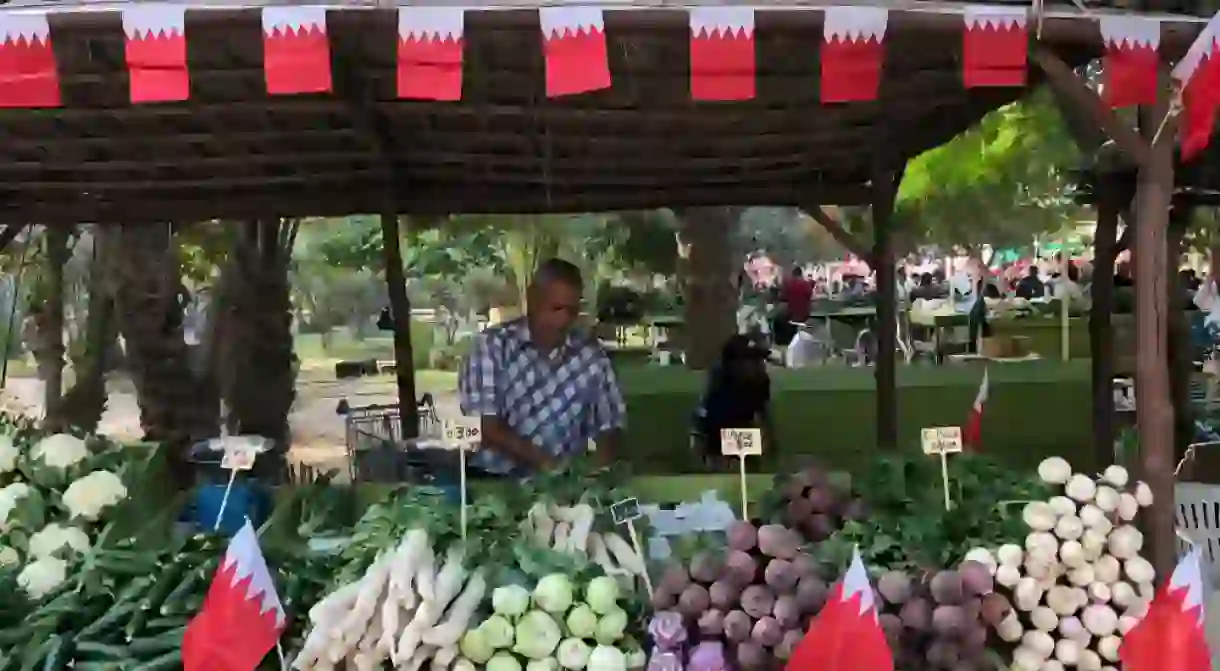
543	388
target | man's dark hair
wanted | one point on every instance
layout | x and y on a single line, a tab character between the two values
1032	271
797	271
558	270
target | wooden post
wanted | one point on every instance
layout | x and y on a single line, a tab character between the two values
885	188
400	313
1101	340
1154	407
1181	353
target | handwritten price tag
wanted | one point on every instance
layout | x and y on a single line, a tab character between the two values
238	458
941	440
740	442
465	432
625	511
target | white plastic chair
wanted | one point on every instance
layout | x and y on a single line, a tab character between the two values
1198	518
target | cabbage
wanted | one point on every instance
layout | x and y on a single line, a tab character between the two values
548	664
554	593
636	659
573	654
503	661
582	622
537	635
510	600
605	658
474	646
610	627
602	594
498	632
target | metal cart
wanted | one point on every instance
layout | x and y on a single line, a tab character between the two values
377	451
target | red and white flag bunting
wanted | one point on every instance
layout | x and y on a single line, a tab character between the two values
995	46
852	53
1130	74
156	52
574	44
430	46
1197	76
722	53
296	52
28	76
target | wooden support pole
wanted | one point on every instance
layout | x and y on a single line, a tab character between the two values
1101	339
8	234
400	314
1153	395
885	188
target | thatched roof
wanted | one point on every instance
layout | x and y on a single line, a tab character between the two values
233	151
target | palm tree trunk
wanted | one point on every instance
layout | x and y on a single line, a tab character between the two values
705	268
84	403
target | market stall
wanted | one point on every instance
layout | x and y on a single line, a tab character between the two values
576	569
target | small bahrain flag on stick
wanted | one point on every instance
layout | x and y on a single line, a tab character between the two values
972	433
241	618
1171	635
846	635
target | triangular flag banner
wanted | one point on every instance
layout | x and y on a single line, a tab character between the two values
722	53
972	433
1197	76
296	53
846	635
241	618
28	75
430	52
574	44
995	46
1171	635
1130	73
852	53
156	52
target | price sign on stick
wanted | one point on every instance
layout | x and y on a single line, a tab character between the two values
627	512
942	441
463	434
238	458
239	455
741	443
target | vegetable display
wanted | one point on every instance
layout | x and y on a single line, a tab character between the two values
1077	583
746	605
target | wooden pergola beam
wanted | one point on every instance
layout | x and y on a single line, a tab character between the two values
8	234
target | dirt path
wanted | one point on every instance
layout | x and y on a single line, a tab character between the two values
317	430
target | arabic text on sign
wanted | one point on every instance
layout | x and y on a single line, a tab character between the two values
942	440
740	442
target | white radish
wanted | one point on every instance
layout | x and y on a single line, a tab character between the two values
443	658
1081	487
1088	661
405	563
425	575
448	633
1125	542
1139	570
1043	619
1072	554
1027	594
1069	528
1116	475
1026	659
1081	576
413	634
544	524
1099	592
1041	541
337	602
623	554
1054	470
1070	627
1062	600
1108	646
451	576
1107	569
1099	619
1094	544
1106	498
1039	642
560	542
1010	629
1094	518
578	538
599	555
1122	594
422	654
390	610
1143	494
1062	505
1067	651
1010	554
1008	575
1126	623
1039	516
1128	507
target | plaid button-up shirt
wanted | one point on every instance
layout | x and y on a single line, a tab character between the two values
557	400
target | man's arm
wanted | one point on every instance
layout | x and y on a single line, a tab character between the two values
609	412
478	395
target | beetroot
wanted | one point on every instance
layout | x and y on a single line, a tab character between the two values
674	579
786	612
791	639
711	623
806	565
995	608
821	498
799	510
724	594
737	626
741	568
811	594
854	509
778	541
780	576
895	587
694	600
948	620
767	632
916	614
946	587
892	626
706	567
817	527
742	536
757	601
976	578
663	600
750	656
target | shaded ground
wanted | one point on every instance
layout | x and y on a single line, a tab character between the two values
317	431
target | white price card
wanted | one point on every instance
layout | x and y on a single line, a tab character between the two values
941	440
740	442
625	511
466	432
238	458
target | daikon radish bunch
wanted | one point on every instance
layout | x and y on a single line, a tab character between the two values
557	625
410	607
571	530
1078	584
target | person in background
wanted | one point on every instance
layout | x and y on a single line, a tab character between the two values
926	289
542	387
1122	276
737	396
796	293
1031	285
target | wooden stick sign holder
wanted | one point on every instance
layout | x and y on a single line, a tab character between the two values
463	435
942	441
627	512
741	443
